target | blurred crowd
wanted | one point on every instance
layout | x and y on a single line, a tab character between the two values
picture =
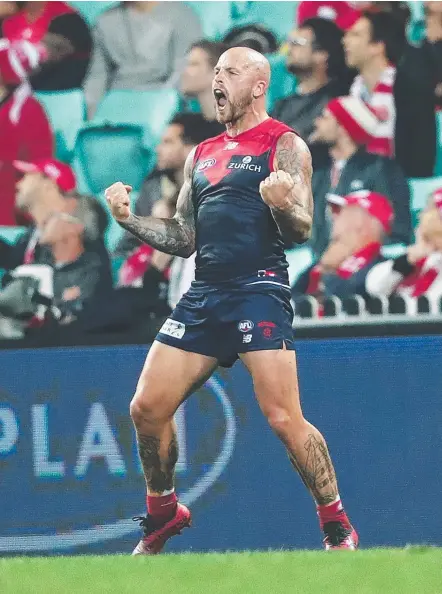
368	85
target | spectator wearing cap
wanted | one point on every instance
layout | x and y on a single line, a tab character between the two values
24	128
347	126
343	14
419	271
196	80
140	45
64	34
373	45
316	58
361	221
47	186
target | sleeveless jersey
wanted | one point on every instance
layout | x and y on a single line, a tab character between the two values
236	235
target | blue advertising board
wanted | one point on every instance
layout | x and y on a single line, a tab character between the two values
71	478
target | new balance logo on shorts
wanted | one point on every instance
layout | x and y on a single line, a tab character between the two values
173	328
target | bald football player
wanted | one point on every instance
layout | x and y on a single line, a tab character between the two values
245	192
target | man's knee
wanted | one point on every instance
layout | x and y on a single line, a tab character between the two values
282	422
150	406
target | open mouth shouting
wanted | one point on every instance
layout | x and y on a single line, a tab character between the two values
220	98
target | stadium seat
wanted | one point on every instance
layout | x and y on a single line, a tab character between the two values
104	154
215	18
11	234
114	231
420	189
282	83
67	112
438	165
278	17
90	11
149	109
299	259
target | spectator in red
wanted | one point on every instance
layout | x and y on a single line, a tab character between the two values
373	45
419	271
23	123
361	221
65	35
347	125
343	14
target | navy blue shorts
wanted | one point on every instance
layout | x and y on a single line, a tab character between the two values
221	322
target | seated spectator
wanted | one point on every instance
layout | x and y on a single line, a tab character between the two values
140	45
63	32
343	14
196	80
24	128
80	275
418	92
183	133
373	45
347	125
47	187
359	226
419	271
316	58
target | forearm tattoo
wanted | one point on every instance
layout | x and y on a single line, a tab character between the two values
316	470
293	157
159	475
172	236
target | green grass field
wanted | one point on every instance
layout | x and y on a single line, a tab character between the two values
416	570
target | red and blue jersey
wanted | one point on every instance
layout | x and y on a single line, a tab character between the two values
236	235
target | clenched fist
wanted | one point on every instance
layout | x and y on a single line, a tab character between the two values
275	190
117	196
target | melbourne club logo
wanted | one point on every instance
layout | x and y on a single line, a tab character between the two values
206	164
267	328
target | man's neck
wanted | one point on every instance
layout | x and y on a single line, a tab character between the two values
34	10
3	92
343	150
311	83
251	119
207	104
67	251
143	6
372	72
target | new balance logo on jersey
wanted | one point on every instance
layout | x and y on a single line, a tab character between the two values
230	146
246	164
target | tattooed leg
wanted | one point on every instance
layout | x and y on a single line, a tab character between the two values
312	461
159	456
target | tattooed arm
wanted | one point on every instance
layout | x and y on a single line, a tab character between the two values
174	236
287	191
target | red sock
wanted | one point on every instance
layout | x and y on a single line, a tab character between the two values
332	513
163	508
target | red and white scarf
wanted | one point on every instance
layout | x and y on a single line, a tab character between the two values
346	269
420	281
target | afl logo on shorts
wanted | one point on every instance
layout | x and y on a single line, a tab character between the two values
245	326
206	164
